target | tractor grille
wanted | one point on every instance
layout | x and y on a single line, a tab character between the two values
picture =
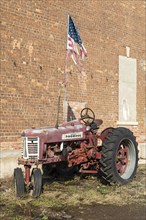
30	147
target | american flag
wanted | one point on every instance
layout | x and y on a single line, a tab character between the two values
73	42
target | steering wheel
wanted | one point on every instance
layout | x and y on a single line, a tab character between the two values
87	116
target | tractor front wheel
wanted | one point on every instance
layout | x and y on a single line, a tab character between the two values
119	156
19	182
36	181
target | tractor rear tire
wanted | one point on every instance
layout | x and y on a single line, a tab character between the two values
36	180
19	182
119	157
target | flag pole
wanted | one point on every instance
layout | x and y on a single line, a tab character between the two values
65	79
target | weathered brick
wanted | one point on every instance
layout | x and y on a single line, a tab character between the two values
33	46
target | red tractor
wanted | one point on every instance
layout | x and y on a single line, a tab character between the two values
112	154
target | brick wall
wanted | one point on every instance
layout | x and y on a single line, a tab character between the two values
33	44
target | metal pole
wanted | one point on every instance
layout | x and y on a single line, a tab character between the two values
65	94
58	107
65	79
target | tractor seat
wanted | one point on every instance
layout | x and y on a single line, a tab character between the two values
96	123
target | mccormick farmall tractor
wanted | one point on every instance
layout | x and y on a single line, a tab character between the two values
112	154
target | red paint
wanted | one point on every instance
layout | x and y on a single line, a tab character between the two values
73	142
122	159
27	173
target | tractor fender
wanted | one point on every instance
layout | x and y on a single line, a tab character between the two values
105	133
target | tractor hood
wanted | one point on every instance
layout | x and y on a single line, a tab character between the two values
68	131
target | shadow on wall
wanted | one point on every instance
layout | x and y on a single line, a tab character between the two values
70	113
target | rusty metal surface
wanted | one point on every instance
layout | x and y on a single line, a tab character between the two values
72	142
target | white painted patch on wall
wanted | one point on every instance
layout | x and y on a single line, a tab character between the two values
125	110
142	150
128	51
127	88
